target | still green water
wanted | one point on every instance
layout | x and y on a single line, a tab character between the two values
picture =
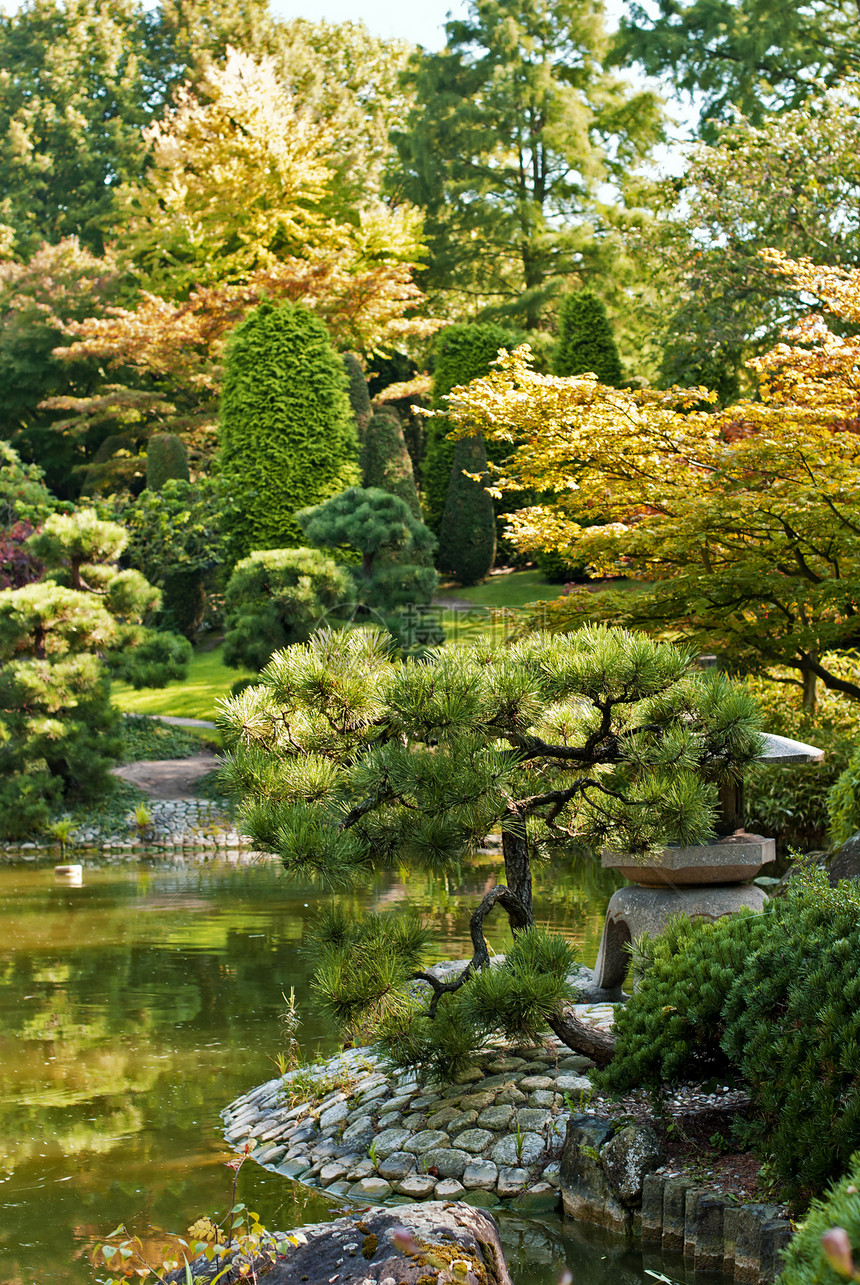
136	1006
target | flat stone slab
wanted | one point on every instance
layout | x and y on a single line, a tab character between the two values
451	1243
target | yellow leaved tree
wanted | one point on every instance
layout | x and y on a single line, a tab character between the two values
741	526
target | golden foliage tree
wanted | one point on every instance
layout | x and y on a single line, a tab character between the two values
240	203
742	526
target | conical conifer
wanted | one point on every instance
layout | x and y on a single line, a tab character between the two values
585	340
467	536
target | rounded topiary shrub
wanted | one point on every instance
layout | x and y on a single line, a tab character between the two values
166	460
277	597
286	433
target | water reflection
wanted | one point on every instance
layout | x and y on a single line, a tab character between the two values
136	1006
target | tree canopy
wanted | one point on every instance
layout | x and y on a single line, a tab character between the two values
742	525
349	762
515	123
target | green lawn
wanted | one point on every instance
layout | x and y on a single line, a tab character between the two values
208	678
513	589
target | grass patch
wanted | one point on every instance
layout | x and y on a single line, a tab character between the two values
513	589
145	739
194	697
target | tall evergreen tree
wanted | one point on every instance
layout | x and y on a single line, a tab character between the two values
385	461
515	123
585	341
286	434
467	539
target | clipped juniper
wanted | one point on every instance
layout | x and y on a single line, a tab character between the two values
467	535
393	544
81	551
385	460
166	459
359	397
349	762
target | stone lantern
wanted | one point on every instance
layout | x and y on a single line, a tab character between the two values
706	881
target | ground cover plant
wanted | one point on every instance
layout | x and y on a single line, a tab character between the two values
774	999
347	761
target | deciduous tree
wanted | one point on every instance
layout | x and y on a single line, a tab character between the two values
742	526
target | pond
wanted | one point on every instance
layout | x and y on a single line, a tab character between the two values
136	1006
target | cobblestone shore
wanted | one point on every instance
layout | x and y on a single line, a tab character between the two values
175	825
493	1137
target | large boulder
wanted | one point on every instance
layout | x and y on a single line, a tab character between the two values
453	1243
845	862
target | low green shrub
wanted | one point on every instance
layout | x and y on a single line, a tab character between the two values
277	597
773	998
792	1028
806	1259
670	1029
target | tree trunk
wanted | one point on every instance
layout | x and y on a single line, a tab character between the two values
518	871
810	692
582	1037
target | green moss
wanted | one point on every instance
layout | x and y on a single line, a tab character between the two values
370	1245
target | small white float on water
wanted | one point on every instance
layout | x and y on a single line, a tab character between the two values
70	874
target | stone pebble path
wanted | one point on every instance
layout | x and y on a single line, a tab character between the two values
494	1137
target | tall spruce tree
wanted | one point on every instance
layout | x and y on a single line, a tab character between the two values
467	538
599	738
585	339
286	435
359	397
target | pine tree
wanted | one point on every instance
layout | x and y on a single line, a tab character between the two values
81	551
350	761
286	435
585	340
393	544
58	732
467	540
